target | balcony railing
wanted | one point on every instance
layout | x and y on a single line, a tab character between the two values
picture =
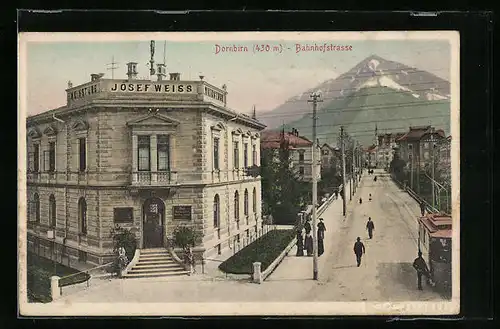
157	178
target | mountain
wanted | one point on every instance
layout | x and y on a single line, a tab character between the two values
379	92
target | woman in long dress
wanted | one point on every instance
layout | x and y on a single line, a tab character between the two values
300	243
309	244
321	236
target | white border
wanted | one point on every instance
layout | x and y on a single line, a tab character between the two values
263	308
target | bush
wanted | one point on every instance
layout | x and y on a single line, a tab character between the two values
264	250
186	236
124	238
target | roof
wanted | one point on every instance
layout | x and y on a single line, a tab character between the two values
438	225
272	139
416	133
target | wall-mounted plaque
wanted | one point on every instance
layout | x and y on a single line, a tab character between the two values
123	215
182	212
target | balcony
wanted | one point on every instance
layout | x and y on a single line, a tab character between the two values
154	178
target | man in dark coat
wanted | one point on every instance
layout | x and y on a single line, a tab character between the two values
370	227
421	267
307	226
422	208
359	250
321	236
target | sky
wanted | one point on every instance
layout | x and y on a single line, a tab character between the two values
263	79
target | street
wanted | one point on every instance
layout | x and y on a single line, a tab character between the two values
385	274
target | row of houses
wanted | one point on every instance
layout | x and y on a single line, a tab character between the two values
419	147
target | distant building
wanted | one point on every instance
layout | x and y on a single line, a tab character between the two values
331	157
417	148
385	148
444	161
145	155
300	151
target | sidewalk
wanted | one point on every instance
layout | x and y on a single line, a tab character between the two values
300	268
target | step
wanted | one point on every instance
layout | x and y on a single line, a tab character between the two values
152	275
155	257
167	265
157	251
155	270
153	254
156	262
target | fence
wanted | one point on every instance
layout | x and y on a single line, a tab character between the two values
415	196
57	283
240	242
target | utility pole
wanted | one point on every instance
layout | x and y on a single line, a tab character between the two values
315	100
112	67
411	171
342	148
354	179
432	172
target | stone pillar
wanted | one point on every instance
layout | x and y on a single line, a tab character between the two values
257	274
134	158
55	291
154	161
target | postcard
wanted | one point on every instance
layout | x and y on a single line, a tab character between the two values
239	173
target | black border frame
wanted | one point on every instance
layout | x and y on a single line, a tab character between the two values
476	124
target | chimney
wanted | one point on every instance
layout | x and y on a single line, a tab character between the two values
132	70
70	84
96	76
161	71
175	76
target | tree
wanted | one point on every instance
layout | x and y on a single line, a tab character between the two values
283	193
186	236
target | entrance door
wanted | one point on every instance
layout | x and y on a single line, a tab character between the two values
153	211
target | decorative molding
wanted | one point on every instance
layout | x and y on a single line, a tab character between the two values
80	125
218	127
237	132
34	133
50	130
153	119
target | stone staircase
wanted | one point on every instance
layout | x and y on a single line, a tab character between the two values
155	263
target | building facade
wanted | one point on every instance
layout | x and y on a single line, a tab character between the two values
147	156
385	149
418	148
331	157
300	148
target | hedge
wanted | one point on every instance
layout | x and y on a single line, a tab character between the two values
264	250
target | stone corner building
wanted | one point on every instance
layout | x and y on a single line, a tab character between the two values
144	155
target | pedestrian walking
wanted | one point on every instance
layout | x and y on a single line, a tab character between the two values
321	237
422	208
370	227
309	244
300	243
422	270
360	200
370	197
359	250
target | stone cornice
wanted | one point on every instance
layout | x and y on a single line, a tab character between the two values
123	103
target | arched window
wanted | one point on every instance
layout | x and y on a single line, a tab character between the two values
236	205
245	203
36	207
82	215
216	211
52	211
254	201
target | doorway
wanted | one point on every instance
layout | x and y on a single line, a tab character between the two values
153	215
